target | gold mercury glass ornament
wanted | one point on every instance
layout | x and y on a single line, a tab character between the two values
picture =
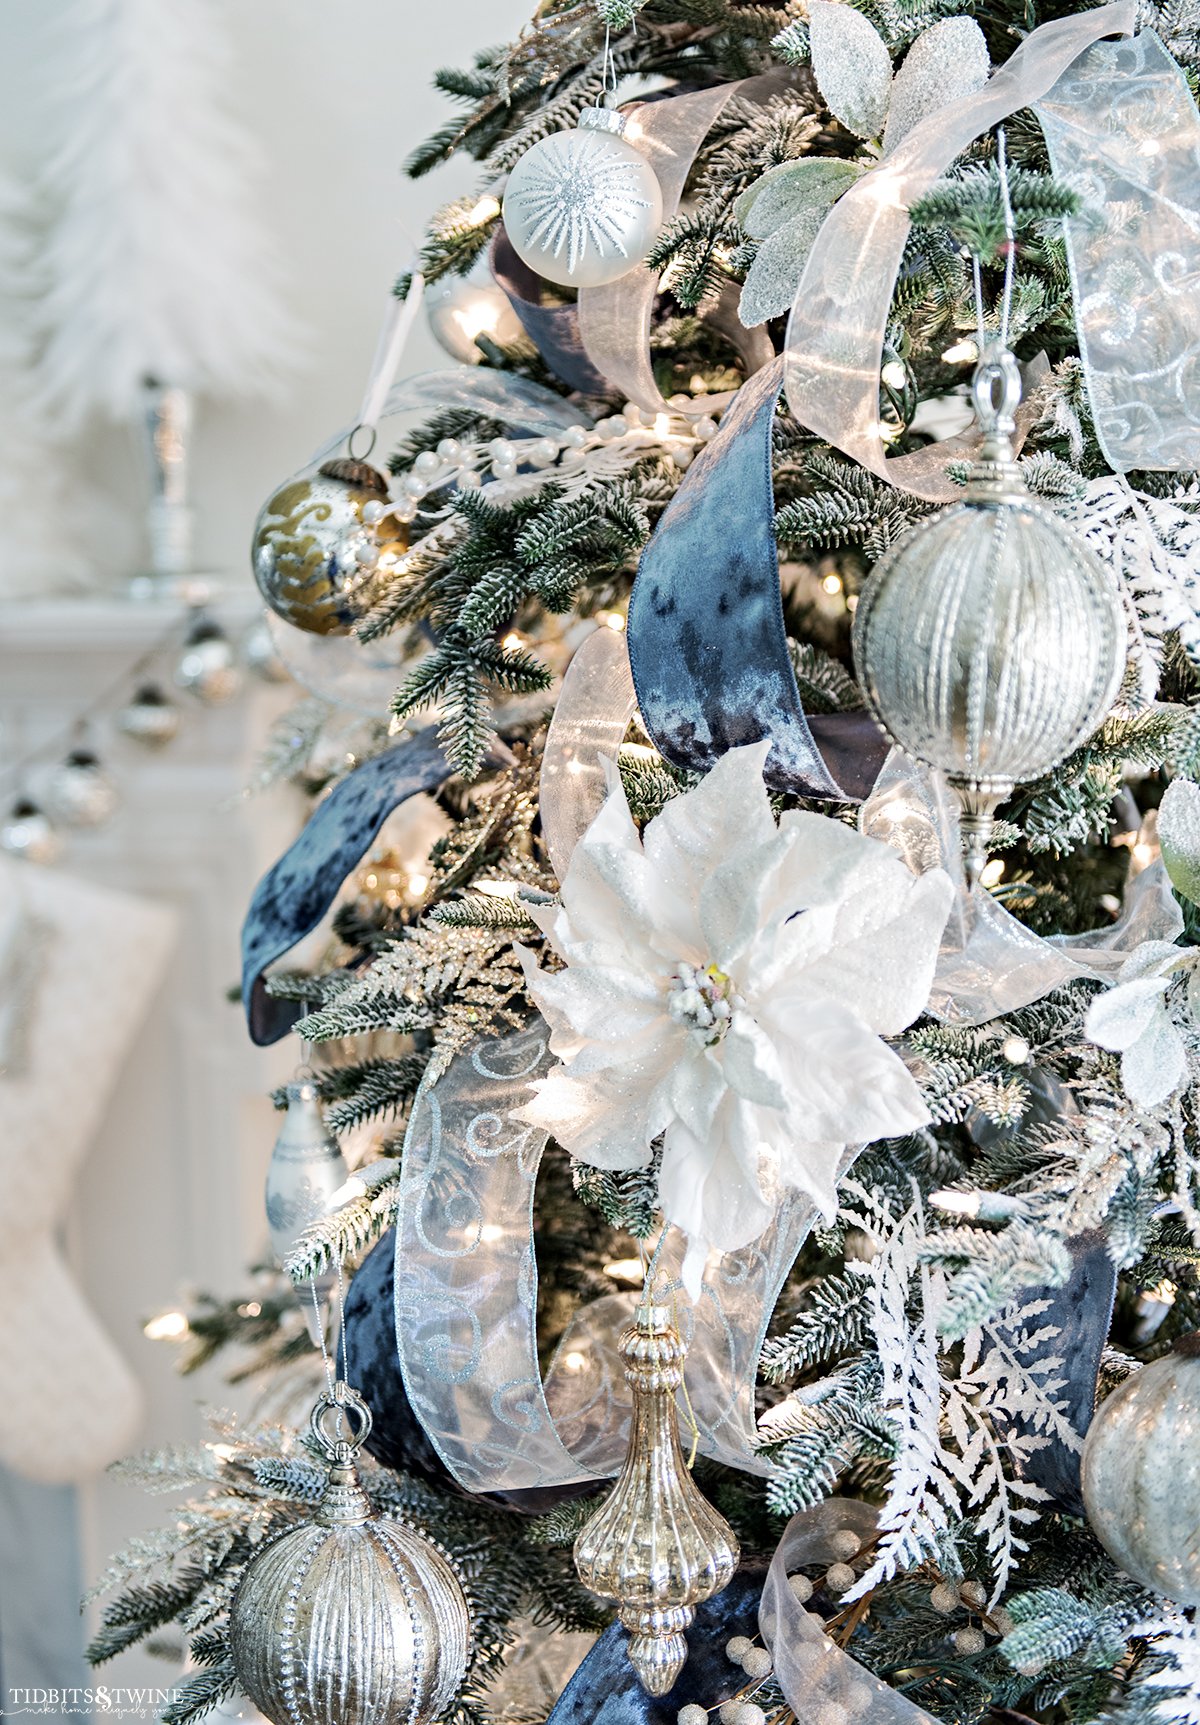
988	641
319	544
351	1618
656	1545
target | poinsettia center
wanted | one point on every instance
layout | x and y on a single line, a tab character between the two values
703	1001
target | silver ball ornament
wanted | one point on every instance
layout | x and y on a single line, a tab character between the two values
207	666
150	718
28	833
988	640
1141	1474
307	542
79	793
350	1618
583	207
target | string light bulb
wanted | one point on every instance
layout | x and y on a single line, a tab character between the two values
166	1327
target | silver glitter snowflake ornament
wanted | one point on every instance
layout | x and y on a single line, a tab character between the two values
583	208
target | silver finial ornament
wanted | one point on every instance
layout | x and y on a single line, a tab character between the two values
988	640
305	1170
656	1545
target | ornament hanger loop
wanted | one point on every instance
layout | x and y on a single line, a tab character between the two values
370	433
996	390
345	1403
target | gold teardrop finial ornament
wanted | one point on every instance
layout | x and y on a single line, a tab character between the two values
656	1545
350	1617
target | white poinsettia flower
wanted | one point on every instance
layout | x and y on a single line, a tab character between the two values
1133	1019
727	985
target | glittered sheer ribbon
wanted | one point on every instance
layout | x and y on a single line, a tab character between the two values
466	1297
466	1265
1122	128
839	317
515	401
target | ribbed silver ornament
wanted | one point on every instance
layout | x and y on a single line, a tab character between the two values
351	1618
989	642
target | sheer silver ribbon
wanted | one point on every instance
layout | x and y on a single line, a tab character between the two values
466	1267
1120	122
813	1671
466	1298
614	321
990	963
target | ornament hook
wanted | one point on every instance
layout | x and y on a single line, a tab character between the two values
372	435
344	1402
996	391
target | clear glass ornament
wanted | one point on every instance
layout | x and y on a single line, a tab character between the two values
988	640
305	1170
583	207
314	555
351	1616
207	666
656	1545
259	655
150	718
460	309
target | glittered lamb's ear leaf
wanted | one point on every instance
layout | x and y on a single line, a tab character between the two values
790	189
852	66
1179	836
947	61
773	278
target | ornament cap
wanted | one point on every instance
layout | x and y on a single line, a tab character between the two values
996	394
351	471
343	1503
603	120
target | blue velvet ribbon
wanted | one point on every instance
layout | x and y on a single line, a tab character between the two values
707	642
553	329
292	897
1081	1312
1077	1316
605	1690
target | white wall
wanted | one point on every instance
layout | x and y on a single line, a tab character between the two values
337	92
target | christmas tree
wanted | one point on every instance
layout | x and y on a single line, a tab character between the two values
886	1058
